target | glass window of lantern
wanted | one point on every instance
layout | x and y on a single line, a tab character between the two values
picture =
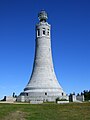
38	32
48	32
43	31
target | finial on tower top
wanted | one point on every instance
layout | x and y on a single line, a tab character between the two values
42	16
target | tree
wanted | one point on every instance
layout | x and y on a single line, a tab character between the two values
86	95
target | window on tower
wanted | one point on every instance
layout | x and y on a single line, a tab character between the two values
38	32
43	31
48	32
45	93
62	94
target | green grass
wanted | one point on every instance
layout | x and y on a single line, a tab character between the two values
71	111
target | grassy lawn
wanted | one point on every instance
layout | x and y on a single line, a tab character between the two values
71	111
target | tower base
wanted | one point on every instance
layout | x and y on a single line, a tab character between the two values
45	95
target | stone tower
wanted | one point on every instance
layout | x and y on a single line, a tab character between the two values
43	84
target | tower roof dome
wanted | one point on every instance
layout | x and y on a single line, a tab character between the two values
42	16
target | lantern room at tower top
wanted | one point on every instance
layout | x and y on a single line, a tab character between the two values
42	28
42	16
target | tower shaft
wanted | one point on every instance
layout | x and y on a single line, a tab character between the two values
43	75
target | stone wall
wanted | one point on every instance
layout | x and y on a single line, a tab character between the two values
80	97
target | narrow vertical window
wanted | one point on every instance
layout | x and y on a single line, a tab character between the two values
48	33
38	32
43	31
62	94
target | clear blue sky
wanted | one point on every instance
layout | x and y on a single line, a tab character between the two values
70	20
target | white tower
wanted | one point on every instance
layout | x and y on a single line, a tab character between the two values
43	84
